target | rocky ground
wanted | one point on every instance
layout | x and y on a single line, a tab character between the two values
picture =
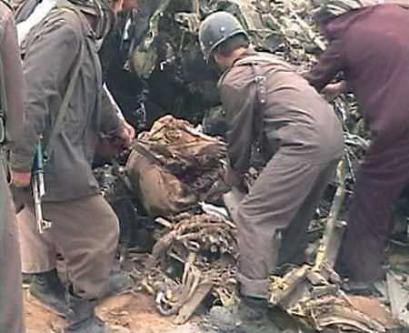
135	312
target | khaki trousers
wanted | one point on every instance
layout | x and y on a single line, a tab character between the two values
38	254
274	217
84	231
11	304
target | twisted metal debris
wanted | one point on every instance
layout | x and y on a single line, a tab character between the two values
205	245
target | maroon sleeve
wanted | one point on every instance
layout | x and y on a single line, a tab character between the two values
329	65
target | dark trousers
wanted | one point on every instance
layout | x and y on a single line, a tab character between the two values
380	181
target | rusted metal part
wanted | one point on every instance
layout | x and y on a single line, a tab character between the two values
334	229
205	244
191	305
338	312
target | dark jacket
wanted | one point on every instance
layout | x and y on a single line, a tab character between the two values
51	52
371	47
12	75
268	103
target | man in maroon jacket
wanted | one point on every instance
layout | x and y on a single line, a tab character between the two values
370	46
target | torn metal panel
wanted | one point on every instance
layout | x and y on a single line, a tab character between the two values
336	312
398	291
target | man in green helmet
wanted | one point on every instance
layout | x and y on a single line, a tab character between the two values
300	137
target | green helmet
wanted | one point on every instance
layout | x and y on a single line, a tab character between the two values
216	29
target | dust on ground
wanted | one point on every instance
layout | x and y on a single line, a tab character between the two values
134	311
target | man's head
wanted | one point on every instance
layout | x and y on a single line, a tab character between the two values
223	39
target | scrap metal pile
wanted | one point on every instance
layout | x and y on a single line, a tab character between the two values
174	168
204	247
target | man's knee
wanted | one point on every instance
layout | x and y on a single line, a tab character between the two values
109	220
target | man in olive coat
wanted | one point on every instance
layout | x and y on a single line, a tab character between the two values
84	226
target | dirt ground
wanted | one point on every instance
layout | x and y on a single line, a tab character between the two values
136	312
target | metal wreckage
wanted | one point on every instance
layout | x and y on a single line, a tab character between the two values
178	238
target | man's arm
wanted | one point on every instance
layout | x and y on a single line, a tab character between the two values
113	123
111	120
48	61
13	78
238	95
329	65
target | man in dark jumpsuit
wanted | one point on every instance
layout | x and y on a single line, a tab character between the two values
371	47
84	228
267	102
11	87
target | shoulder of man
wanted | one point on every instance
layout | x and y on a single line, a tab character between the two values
236	76
6	14
64	19
242	72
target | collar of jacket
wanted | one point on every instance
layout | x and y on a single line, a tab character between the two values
249	52
82	12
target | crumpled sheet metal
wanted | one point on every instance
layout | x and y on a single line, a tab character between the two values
398	292
315	298
336	311
145	56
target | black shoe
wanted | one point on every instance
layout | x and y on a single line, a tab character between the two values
81	317
252	309
48	290
359	288
249	316
118	283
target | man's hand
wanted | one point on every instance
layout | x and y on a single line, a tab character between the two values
234	179
126	134
334	90
20	179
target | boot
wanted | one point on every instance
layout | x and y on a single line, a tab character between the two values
250	315
81	317
252	309
118	283
48	290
